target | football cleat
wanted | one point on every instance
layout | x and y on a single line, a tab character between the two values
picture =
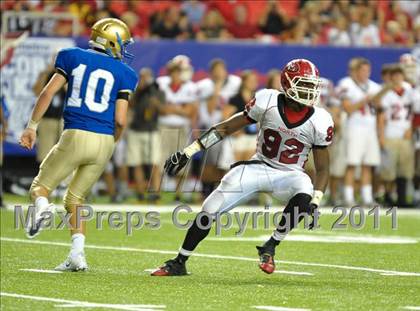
171	267
266	259
73	263
35	225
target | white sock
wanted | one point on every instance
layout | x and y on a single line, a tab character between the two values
366	192
77	243
348	194
41	203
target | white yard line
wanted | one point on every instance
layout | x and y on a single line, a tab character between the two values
292	272
85	304
41	271
336	238
154	251
411	308
274	308
400	274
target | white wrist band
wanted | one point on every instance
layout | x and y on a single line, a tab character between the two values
32	125
192	149
317	197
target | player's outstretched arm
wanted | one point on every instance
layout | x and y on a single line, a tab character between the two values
178	160
28	137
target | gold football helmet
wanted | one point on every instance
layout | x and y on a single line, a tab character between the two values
112	36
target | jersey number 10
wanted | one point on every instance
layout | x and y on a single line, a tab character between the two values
78	74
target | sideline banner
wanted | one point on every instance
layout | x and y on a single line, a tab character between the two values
29	59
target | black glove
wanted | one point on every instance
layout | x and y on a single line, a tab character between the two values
175	163
314	213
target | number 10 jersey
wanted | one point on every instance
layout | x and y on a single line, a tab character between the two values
95	82
282	144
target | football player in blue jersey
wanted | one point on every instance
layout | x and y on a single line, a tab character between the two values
95	114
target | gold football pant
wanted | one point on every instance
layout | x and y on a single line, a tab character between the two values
83	153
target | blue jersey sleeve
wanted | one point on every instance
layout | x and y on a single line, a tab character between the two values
62	63
128	81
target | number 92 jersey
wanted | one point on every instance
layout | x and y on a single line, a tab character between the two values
95	82
283	144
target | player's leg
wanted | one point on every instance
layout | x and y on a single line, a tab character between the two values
371	159
355	145
417	176
297	187
237	186
56	166
389	170
405	170
97	153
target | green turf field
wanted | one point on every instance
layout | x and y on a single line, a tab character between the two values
349	269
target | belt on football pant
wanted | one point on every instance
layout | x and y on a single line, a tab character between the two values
250	162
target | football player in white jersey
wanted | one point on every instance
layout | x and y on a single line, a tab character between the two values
290	126
359	97
395	136
411	69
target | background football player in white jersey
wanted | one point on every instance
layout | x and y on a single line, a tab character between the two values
359	96
214	94
290	126
411	67
180	110
395	136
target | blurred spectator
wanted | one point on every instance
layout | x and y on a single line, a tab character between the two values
51	125
359	95
273	21
394	23
244	141
395	35
185	27
299	33
3	134
395	137
133	22
212	27
195	11
214	93
329	100
117	188
240	27
178	113
273	80
338	33
143	136
166	24
365	32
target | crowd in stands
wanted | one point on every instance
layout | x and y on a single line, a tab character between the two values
343	23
